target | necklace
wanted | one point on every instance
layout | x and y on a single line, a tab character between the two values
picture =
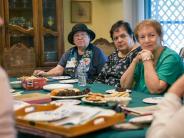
121	55
124	53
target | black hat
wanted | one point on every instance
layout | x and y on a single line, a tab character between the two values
80	27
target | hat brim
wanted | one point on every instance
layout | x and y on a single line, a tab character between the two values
90	33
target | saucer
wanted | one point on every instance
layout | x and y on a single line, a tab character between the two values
153	100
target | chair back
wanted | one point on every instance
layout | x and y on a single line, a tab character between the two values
106	46
181	53
19	60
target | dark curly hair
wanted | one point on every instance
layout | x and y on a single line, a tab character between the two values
123	24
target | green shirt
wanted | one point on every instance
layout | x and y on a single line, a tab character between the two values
169	68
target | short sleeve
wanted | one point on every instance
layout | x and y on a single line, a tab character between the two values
99	59
98	62
62	62
170	69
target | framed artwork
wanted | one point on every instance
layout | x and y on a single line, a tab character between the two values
80	11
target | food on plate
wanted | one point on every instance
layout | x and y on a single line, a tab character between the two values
117	97
69	92
95	97
119	94
119	89
31	78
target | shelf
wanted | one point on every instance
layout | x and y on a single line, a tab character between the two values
21	29
49	31
21	9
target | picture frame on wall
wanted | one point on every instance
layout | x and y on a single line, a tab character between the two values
80	11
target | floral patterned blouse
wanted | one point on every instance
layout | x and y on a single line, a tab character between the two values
115	67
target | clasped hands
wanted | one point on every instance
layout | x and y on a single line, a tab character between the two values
144	55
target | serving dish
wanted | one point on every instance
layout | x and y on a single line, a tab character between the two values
94	119
50	87
69	81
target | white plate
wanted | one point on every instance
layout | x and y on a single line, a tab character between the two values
142	119
60	77
69	81
17	93
68	97
111	91
16	84
50	87
153	100
47	115
66	102
93	102
12	90
114	91
106	112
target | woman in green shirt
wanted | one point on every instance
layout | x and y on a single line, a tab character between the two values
156	67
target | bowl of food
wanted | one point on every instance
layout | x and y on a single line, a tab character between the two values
123	101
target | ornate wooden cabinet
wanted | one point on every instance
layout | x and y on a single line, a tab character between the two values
32	36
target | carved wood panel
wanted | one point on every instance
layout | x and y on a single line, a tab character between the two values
18	59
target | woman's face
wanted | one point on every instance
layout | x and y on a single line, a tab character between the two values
81	39
122	40
148	38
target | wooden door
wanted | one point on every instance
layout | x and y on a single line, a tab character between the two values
51	32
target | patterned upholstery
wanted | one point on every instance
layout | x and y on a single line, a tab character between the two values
106	46
19	60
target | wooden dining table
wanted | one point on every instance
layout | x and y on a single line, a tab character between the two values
109	132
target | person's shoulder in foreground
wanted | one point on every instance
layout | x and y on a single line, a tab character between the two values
7	129
169	120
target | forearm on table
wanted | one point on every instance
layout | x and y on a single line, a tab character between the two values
153	83
58	70
177	87
127	78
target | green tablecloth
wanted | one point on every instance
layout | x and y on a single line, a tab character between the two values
137	98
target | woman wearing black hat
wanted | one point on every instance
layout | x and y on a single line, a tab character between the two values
93	57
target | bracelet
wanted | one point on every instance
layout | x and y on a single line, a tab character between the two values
147	58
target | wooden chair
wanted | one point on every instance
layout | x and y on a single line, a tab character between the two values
19	60
106	46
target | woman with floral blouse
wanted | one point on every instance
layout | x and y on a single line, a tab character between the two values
126	49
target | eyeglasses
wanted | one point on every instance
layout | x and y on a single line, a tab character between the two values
122	36
80	35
